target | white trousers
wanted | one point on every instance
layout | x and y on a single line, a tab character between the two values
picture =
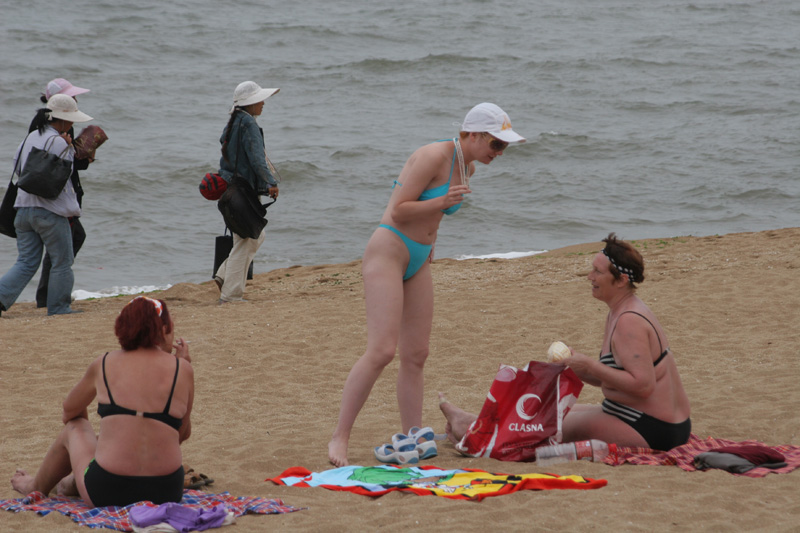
233	271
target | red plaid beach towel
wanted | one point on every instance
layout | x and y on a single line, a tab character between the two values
117	517
683	456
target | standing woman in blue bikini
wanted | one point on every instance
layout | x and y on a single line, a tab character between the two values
398	285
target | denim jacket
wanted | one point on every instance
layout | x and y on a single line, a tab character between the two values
252	164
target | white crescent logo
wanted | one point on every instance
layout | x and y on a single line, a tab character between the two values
521	406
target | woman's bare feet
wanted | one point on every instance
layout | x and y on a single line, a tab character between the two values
458	420
337	452
67	486
22	482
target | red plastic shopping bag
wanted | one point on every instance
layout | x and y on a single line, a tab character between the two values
523	410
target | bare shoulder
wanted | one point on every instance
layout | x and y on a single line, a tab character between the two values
97	362
186	368
641	322
431	156
632	322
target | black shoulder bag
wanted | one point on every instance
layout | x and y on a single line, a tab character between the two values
45	174
239	205
7	210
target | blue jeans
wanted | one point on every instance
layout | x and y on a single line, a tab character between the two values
78	236
38	228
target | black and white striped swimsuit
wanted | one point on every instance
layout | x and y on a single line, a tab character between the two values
659	435
608	359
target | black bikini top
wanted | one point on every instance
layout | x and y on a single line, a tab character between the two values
110	409
608	358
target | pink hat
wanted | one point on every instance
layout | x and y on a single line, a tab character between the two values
62	86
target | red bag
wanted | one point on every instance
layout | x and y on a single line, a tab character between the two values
523	410
89	140
212	186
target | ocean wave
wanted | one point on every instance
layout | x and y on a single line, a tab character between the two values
505	255
429	61
117	291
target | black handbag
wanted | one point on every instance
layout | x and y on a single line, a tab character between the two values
7	210
222	249
45	174
241	210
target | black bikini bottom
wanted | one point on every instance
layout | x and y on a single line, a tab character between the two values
106	489
659	435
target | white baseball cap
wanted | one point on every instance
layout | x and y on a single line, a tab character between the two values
249	92
489	118
66	108
62	86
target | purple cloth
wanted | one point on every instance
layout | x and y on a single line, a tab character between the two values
178	516
117	518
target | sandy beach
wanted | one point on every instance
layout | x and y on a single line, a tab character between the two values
269	374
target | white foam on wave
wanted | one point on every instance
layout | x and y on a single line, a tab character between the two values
507	255
116	291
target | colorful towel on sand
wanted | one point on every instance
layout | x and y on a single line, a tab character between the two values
117	517
683	456
465	484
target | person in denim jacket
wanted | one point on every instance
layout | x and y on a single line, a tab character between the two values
243	154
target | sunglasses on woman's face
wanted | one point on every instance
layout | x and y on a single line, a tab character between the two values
496	144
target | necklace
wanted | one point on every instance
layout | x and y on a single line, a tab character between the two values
461	166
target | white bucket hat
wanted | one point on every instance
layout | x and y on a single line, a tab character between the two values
66	108
249	92
490	119
62	86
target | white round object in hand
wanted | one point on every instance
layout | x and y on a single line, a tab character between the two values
557	352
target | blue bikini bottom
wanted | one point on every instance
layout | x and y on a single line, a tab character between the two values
418	253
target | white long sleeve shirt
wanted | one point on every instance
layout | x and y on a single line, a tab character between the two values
66	203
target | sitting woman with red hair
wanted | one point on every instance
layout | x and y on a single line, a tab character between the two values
144	394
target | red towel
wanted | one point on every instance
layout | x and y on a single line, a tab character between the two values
683	456
758	455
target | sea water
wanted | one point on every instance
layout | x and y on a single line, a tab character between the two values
649	119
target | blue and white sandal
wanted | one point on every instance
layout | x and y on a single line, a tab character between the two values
426	441
387	453
423	440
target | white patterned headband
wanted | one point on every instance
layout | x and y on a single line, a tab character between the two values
620	268
156	303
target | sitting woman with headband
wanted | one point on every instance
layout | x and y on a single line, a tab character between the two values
644	400
144	394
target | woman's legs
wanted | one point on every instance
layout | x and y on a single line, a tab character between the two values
233	271
71	452
413	346
57	237
29	255
585	422
78	237
383	293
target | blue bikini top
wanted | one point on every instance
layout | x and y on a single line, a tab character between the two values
441	190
